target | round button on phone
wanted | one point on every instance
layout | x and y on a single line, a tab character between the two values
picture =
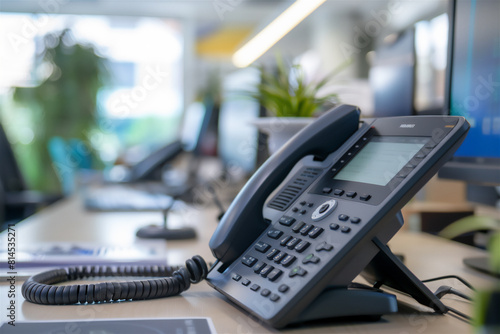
324	210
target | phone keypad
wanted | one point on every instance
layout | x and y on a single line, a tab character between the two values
291	248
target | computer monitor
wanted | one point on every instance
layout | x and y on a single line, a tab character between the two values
408	70
392	75
473	91
239	144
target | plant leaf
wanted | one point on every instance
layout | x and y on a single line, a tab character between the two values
470	224
494	249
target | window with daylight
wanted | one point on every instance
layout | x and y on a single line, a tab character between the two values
47	63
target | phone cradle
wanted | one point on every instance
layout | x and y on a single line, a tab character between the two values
346	303
384	269
164	232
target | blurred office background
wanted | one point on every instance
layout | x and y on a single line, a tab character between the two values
118	79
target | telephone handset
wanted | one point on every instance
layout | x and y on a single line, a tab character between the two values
304	226
243	221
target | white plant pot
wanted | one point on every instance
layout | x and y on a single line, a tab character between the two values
280	129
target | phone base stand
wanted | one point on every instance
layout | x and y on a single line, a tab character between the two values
387	269
164	232
343	303
160	232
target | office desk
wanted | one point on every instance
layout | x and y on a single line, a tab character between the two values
426	256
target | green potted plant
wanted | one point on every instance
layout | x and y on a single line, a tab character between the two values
62	104
290	100
486	302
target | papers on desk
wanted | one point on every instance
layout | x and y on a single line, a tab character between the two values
46	256
122	326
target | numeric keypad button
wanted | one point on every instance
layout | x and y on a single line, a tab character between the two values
262	247
315	232
298	226
302	246
288	260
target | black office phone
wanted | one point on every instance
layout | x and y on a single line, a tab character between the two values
320	209
313	216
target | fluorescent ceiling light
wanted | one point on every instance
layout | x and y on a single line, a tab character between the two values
271	34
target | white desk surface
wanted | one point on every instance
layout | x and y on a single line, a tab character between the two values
427	256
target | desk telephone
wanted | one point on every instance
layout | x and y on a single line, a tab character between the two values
312	218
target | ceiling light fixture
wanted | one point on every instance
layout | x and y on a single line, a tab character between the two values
271	34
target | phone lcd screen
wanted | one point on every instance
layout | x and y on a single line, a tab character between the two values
381	159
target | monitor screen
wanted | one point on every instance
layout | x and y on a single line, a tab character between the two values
238	137
475	76
474	90
392	75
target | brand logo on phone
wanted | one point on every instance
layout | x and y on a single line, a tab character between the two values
407	126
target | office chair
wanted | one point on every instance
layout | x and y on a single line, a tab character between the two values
16	201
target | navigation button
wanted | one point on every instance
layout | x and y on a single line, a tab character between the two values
324	210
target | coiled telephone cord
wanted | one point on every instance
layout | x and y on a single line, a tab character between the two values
171	281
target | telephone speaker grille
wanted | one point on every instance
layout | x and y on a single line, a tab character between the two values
294	189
